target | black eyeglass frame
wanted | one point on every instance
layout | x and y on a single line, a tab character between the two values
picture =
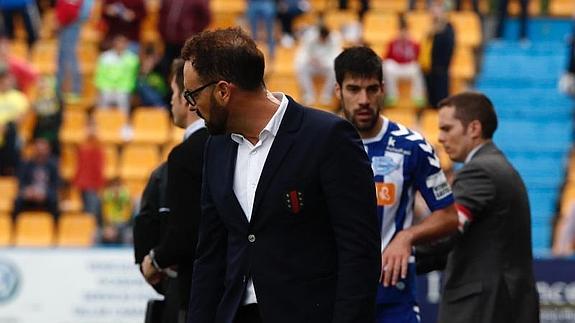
190	95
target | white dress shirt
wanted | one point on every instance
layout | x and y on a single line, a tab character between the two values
472	153
250	161
193	127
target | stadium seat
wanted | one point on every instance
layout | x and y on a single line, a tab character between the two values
419	24
5	230
429	125
68	161
135	187
463	63
561	8
9	190
76	230
71	201
138	161
467	27
336	20
74	126
405	117
34	229
109	124
379	29
111	161
151	126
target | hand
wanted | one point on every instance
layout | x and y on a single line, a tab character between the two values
151	275
395	259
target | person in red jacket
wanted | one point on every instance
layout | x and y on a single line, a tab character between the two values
401	63
124	17
89	178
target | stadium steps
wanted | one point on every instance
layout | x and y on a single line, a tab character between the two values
535	121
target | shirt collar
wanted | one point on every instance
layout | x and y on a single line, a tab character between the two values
472	153
274	124
193	127
380	134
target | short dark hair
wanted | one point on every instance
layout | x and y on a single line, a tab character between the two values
358	61
471	106
226	54
177	73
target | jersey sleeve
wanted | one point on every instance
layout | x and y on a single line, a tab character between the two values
430	180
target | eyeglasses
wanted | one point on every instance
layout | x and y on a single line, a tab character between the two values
190	95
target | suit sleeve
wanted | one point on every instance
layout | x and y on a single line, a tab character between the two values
474	192
349	189
210	263
184	191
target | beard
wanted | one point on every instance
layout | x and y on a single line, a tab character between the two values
363	125
218	118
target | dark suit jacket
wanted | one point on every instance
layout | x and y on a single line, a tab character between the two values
312	246
178	245
489	275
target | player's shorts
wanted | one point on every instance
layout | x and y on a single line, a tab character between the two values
398	313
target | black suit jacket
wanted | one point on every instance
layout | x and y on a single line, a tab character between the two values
184	186
489	275
312	246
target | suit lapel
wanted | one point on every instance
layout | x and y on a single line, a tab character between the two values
281	146
229	174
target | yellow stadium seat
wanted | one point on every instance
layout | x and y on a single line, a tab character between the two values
76	230
109	124
135	187
283	63
8	192
406	117
5	230
467	28
151	126
74	126
338	19
34	229
379	28
68	161
71	201
44	56
111	161
562	8
138	161
463	63
395	6
286	84
429	124
419	24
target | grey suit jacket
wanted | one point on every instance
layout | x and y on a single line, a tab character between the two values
489	274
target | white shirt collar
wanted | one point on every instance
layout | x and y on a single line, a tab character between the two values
273	125
193	127
472	153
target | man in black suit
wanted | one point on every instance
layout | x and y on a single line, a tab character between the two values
185	162
489	274
289	226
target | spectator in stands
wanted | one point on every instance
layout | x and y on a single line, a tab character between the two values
116	74
315	57
474	5
401	62
13	107
564	242
177	21
263	11
116	213
38	180
436	53
151	85
23	72
288	10
364	7
123	17
502	17
48	108
89	177
70	16
28	10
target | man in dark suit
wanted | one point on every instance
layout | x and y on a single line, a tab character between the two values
289	226
489	274
185	163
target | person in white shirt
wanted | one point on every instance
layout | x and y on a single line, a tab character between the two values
315	57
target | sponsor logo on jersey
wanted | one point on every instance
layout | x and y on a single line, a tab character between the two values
438	183
385	193
383	165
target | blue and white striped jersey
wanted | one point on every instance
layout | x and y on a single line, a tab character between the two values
403	162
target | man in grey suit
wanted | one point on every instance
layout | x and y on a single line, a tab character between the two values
489	275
